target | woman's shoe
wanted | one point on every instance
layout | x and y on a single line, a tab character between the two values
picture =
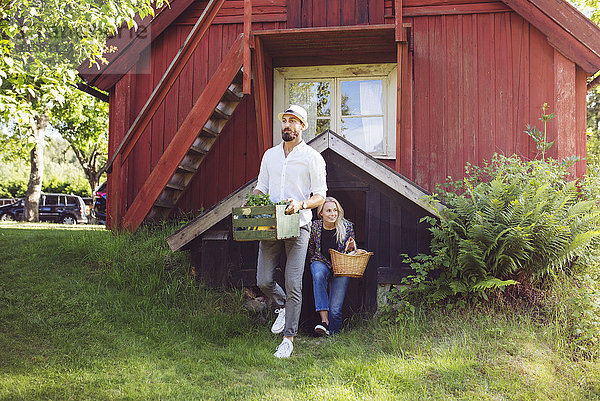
322	329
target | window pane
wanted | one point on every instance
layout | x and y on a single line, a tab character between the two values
364	132
360	98
51	200
315	97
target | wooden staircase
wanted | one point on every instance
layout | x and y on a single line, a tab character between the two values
195	137
202	144
190	145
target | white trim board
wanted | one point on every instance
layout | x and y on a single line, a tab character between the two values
376	169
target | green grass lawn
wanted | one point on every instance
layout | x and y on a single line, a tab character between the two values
85	314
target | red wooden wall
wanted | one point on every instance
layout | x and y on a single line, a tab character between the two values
480	73
478	80
133	90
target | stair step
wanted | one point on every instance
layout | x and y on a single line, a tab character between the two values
239	77
163	204
187	169
209	132
231	96
176	187
221	114
173	190
198	150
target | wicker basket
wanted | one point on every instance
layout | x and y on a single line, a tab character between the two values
349	265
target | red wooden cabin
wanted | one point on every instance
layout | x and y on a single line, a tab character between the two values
422	85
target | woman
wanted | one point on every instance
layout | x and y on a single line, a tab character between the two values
331	230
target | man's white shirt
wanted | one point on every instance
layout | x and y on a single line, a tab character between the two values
296	176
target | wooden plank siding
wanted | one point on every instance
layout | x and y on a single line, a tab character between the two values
232	12
235	158
175	108
479	79
477	75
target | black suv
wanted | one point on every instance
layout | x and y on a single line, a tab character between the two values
59	208
100	204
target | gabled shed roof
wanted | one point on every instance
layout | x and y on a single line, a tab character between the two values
327	140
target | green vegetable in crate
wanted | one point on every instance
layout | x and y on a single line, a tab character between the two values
258	200
261	200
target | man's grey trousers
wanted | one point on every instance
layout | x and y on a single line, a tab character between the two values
268	257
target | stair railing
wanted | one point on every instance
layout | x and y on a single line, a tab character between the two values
170	76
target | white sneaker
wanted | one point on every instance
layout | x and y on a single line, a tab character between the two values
279	322
284	350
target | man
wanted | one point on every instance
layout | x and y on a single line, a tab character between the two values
295	172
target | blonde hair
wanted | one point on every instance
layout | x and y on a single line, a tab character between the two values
340	229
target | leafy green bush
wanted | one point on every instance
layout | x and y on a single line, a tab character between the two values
18	188
75	187
509	222
13	189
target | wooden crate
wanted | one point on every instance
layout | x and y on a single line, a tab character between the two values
252	223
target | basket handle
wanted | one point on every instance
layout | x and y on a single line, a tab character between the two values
348	243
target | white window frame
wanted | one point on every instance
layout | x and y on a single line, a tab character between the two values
337	73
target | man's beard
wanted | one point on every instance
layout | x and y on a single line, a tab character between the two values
288	136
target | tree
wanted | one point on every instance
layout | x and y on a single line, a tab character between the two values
83	122
590	8
41	44
593	125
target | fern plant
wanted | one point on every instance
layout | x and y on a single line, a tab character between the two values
517	222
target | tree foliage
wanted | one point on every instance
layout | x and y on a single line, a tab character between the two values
593	125
591	8
41	44
83	123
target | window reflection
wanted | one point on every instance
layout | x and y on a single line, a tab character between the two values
315	97
364	132
354	108
362	98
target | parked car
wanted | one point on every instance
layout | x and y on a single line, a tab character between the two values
59	208
100	204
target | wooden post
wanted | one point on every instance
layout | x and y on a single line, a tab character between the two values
260	96
564	95
399	125
398	21
581	120
400	37
118	195
373	221
117	184
404	137
246	46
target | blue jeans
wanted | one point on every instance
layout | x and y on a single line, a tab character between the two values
337	291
